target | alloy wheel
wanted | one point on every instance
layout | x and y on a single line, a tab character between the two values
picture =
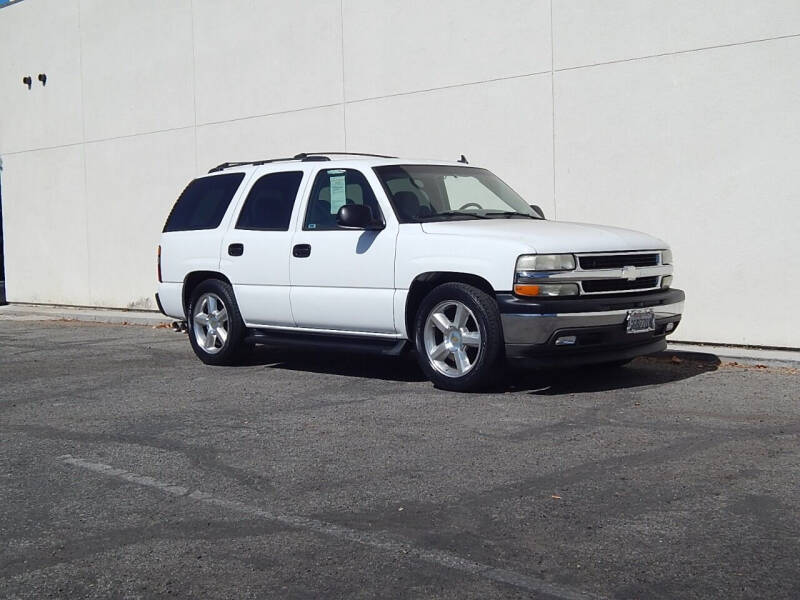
210	323
452	338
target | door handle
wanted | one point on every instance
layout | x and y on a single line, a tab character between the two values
301	250
236	249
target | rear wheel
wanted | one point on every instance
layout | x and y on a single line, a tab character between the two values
216	329
459	337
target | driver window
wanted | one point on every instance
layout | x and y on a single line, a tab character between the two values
333	188
469	192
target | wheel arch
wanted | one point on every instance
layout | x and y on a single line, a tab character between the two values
195	278
423	283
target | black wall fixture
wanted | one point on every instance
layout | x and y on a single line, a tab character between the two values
43	78
27	81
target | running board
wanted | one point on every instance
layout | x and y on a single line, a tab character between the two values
345	343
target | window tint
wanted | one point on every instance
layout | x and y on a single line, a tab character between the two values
203	203
270	201
333	188
410	198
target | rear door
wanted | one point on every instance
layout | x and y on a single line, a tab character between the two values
256	249
343	279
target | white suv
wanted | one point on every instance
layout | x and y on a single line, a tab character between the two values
367	252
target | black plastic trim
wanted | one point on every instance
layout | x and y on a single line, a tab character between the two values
301	250
160	308
338	342
511	304
518	357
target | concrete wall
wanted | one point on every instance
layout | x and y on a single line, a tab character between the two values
680	118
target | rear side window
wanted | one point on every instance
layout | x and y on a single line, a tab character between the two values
269	204
203	203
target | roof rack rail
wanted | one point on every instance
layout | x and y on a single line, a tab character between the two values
228	165
304	155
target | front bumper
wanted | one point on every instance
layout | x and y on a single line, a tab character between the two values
531	327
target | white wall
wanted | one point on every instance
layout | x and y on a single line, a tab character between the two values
675	117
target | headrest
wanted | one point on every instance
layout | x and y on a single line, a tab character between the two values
407	204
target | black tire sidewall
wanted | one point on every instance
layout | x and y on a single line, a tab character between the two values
484	307
232	350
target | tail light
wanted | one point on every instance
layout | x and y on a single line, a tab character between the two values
159	264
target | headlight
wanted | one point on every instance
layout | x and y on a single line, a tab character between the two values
546	262
666	257
546	289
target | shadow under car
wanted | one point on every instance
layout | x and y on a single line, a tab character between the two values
664	367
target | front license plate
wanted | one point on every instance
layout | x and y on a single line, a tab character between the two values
641	320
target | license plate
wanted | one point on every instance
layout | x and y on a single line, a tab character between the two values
642	320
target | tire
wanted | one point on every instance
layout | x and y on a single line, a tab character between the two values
449	352
206	325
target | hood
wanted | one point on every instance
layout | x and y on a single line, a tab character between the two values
545	237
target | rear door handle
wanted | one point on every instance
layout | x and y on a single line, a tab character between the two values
301	250
236	249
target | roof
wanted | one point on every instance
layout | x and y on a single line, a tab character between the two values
334	159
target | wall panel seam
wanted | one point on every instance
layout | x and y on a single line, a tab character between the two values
448	87
553	107
344	87
678	52
83	152
280	112
194	83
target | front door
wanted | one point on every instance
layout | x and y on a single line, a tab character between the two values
343	279
255	252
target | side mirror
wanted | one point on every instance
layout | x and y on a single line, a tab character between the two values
537	209
357	216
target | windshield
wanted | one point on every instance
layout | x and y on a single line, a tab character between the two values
422	193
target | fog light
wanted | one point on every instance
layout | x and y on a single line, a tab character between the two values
670	326
566	340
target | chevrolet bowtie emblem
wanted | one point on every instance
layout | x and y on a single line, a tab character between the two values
629	272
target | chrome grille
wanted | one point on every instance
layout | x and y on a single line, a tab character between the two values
593	286
607	273
617	261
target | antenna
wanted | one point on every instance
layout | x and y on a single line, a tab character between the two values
463	159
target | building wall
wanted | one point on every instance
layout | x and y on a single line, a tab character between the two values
678	118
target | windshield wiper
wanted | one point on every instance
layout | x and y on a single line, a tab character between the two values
458	213
509	214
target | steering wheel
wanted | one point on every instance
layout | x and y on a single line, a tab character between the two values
468	204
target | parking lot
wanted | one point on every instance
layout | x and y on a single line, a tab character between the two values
128	469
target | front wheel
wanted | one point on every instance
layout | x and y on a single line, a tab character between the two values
216	329
459	337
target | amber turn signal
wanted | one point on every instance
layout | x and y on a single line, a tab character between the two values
546	289
526	290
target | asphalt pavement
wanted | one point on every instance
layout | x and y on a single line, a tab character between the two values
128	469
